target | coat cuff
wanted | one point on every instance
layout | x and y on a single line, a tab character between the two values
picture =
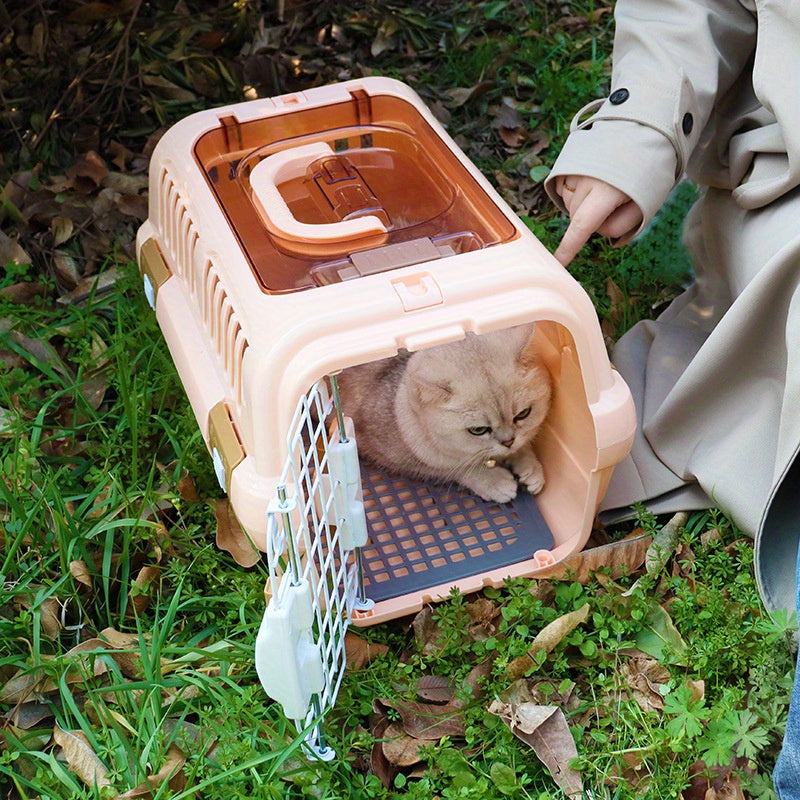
634	158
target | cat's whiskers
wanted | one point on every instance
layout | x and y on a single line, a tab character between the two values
469	466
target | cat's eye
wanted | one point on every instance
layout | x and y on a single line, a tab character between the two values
480	430
526	412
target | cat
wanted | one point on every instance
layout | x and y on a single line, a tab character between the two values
464	412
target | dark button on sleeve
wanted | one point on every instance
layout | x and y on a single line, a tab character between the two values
618	96
687	123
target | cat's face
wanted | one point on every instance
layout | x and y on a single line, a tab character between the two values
482	398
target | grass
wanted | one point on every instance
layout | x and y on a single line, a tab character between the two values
126	637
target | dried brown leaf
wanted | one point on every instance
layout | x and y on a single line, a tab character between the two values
359	652
50	611
29	715
519	692
61	228
645	677
232	538
380	766
24	685
631	772
382	42
119	154
167	89
81	759
94	389
435	689
461	95
697	688
132	205
89	286
171	774
97	11
144	588
715	783
24	293
66	269
618	558
545	730
187	489
428	720
12	251
538	141
483	615
547	638
540	692
513	138
401	749
88	172
664	542
427	633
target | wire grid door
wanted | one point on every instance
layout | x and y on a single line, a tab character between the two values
314	566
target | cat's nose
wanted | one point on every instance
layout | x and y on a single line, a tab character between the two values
508	442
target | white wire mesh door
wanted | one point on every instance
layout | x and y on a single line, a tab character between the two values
315	529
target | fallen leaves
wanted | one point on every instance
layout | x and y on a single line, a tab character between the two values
617	559
405	729
646	679
81	758
359	652
545	730
106	660
71	222
547	638
170	775
231	537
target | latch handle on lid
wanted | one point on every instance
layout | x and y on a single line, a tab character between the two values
277	216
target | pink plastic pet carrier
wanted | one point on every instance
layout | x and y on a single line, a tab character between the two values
292	237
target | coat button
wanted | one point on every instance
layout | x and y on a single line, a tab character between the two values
687	123
618	96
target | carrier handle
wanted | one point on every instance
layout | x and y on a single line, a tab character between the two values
288	165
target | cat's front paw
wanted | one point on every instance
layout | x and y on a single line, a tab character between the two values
529	470
496	485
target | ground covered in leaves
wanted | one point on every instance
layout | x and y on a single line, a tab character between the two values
648	669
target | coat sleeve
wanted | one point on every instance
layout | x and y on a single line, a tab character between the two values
672	61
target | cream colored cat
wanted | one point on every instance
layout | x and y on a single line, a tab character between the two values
464	412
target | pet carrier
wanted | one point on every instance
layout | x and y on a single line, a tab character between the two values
290	238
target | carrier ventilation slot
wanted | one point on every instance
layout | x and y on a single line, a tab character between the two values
180	236
223	326
203	284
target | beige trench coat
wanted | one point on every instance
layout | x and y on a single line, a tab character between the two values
711	88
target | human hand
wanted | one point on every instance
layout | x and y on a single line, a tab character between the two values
594	206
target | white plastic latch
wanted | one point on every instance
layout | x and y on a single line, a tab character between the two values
288	660
347	495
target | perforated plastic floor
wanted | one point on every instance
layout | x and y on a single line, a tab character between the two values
423	535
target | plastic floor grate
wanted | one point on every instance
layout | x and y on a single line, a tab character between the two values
423	535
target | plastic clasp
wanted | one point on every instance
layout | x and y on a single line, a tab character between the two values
288	660
418	291
346	478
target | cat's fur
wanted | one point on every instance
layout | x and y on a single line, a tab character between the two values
412	412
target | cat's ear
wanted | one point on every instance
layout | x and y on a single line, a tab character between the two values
527	351
431	391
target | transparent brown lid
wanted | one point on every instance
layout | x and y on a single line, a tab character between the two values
321	195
